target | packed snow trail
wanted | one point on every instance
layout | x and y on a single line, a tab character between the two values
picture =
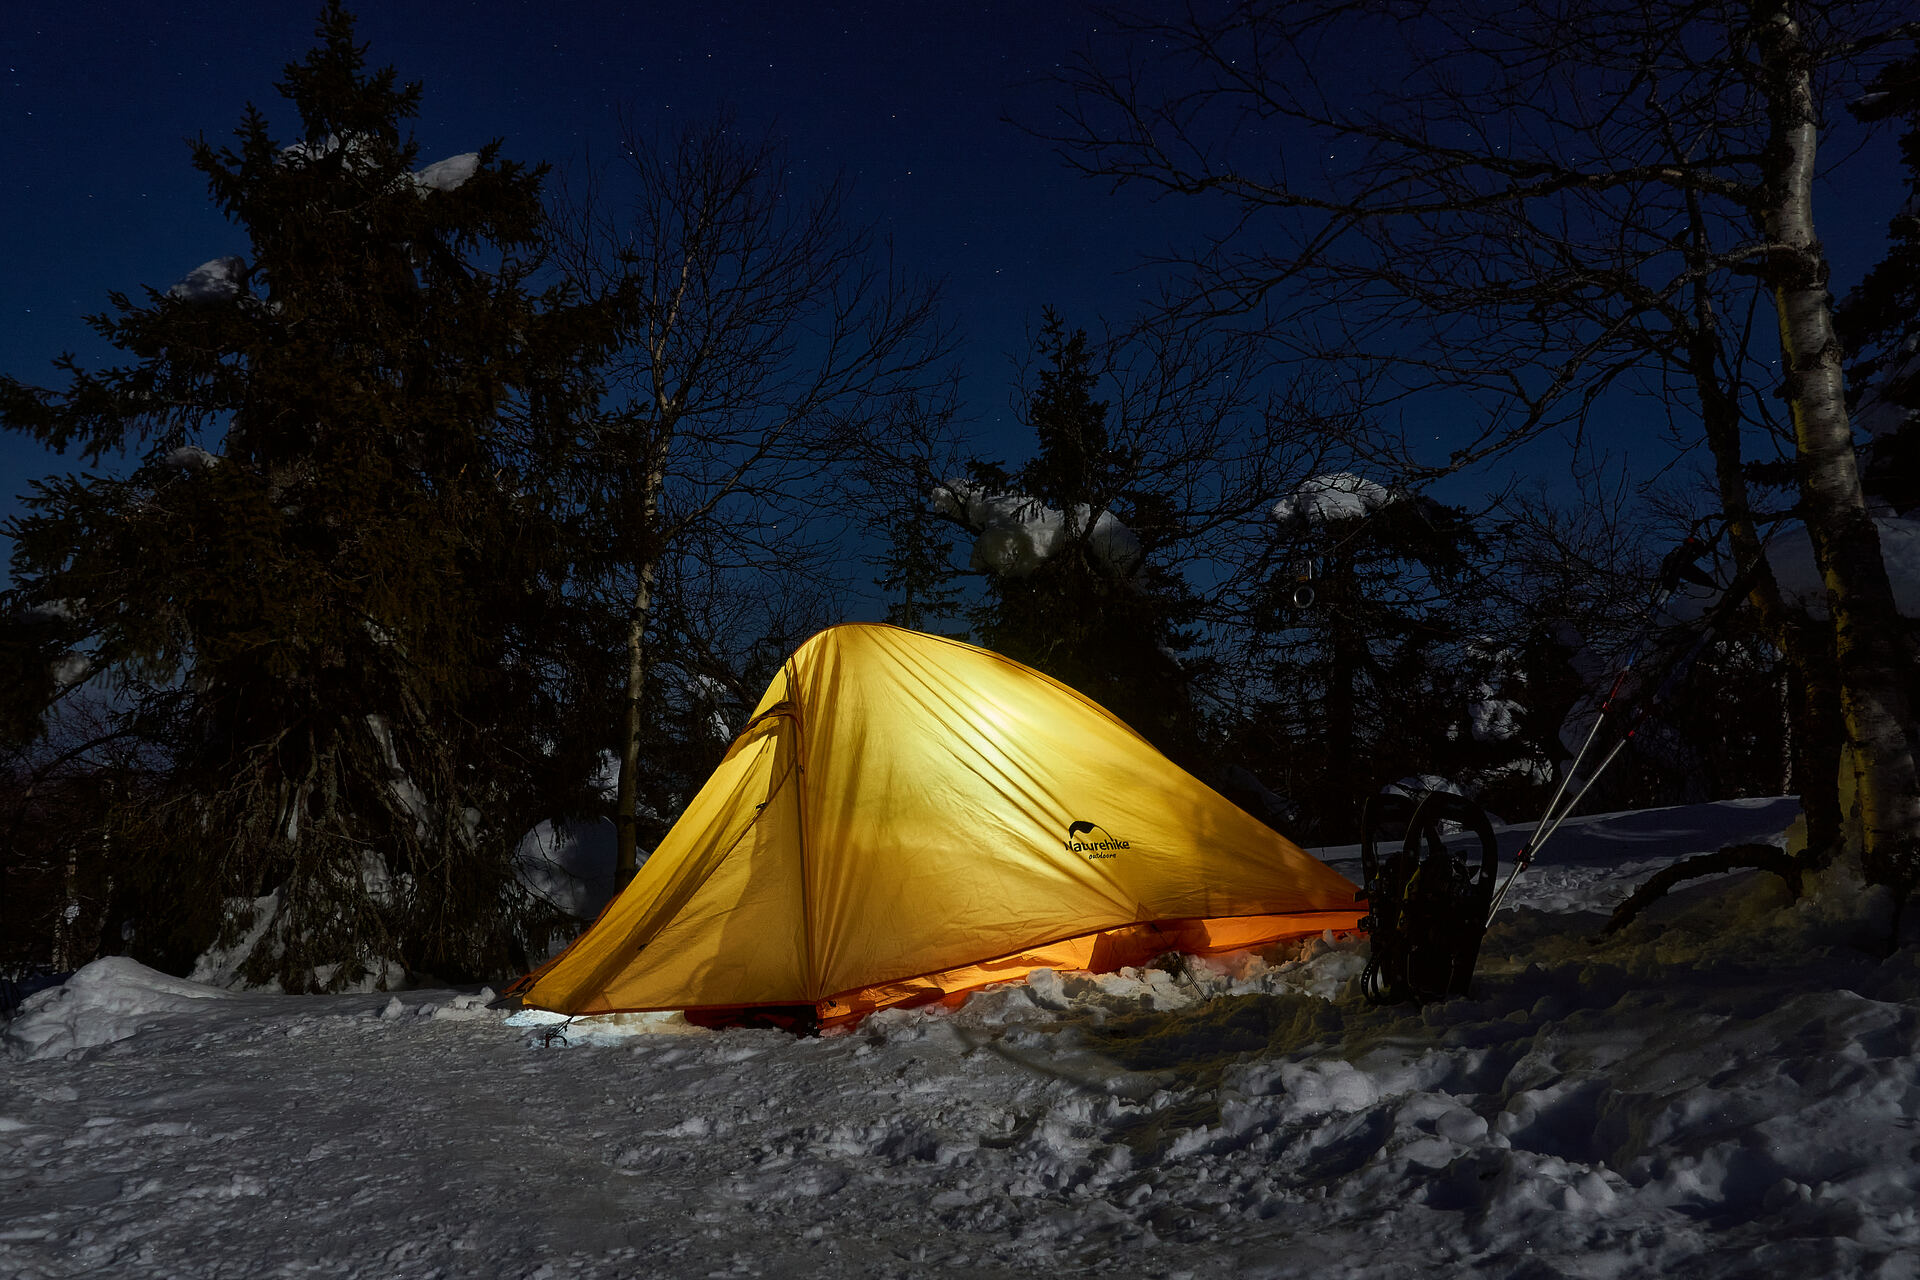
1724	1089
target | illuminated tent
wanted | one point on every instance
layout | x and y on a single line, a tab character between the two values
907	816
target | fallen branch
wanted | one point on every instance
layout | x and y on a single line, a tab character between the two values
1734	857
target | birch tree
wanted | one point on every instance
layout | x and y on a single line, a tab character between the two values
1534	207
758	334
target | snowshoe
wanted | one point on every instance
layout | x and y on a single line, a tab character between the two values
1427	902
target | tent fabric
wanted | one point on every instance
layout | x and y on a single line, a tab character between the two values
906	815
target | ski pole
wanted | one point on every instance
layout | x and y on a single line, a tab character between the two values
1531	849
1531	846
1678	565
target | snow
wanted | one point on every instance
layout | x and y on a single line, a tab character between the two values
1494	719
605	781
1880	412
1017	534
214	281
710	695
570	865
258	921
1724	1089
1339	495
108	1001
55	611
70	669
190	457
307	153
219	966
1419	784
1790	555
445	175
401	787
441	175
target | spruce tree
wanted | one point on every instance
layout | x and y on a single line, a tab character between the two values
1368	671
919	572
318	579
1110	630
1879	321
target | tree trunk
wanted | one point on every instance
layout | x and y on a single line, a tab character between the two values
632	720
1873	699
1815	736
1821	740
626	815
1339	785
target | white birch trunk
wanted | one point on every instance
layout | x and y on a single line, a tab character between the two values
633	702
632	718
1873	696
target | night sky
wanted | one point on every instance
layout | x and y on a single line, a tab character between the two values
907	100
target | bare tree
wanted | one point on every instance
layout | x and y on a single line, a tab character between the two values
66	803
756	336
1537	206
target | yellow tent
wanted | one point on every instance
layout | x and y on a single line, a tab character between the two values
907	816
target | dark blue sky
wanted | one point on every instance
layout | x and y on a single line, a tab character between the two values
97	99
906	100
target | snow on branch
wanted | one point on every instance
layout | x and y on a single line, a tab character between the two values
1017	534
445	175
191	457
1790	554
214	281
1339	495
441	175
356	146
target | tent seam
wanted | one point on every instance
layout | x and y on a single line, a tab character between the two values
801	708
524	985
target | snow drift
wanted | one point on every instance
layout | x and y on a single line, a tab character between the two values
111	999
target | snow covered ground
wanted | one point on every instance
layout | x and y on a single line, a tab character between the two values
1726	1089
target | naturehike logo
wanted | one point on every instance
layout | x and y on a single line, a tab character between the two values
1098	843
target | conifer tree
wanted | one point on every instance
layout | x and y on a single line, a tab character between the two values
919	573
1109	627
1366	659
316	582
1880	319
